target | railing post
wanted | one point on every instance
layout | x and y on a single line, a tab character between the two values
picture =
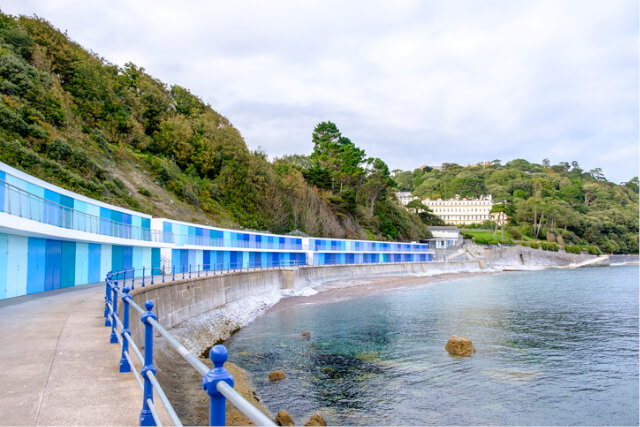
198	268
142	276
133	278
107	300
162	273
114	314
152	275
189	271
124	363
183	269
146	418
218	355
173	269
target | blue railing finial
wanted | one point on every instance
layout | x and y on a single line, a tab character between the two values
218	355
148	304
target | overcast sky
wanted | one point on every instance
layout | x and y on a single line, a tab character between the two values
411	82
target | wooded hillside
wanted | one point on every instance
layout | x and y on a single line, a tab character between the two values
564	200
118	135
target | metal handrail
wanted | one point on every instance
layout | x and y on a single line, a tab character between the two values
188	270
165	400
172	273
39	209
215	381
243	405
69	218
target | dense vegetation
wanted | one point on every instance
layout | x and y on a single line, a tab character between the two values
119	135
542	201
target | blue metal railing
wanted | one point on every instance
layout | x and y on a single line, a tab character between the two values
325	245
217	382
149	276
24	204
193	240
27	205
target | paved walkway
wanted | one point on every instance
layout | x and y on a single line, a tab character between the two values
57	366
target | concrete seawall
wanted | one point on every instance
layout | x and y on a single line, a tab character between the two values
207	309
312	276
523	257
176	302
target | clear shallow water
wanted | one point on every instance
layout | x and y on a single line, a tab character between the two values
554	347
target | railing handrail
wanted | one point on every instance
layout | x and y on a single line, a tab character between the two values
120	225
218	376
71	219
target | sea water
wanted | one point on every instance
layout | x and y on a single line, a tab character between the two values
554	347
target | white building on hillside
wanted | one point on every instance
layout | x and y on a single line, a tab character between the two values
404	197
462	211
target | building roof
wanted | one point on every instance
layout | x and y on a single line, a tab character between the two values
443	228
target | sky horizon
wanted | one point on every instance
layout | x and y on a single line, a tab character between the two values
412	82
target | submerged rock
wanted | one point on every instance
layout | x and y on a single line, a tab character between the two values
284	418
460	346
316	420
276	375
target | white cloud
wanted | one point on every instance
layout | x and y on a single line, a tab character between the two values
411	82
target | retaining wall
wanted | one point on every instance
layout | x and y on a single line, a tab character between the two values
311	276
181	300
521	256
624	259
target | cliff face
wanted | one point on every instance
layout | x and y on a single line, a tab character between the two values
119	135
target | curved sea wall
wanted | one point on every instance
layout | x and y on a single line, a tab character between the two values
182	300
524	257
313	276
208	309
202	311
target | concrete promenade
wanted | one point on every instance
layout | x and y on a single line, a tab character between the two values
57	366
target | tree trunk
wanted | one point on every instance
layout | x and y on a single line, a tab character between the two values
373	201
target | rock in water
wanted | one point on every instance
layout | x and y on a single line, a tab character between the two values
284	418
306	335
276	375
316	420
460	346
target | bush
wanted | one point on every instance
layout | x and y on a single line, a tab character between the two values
58	150
466	235
593	250
482	240
144	191
549	246
514	231
574	249
526	230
